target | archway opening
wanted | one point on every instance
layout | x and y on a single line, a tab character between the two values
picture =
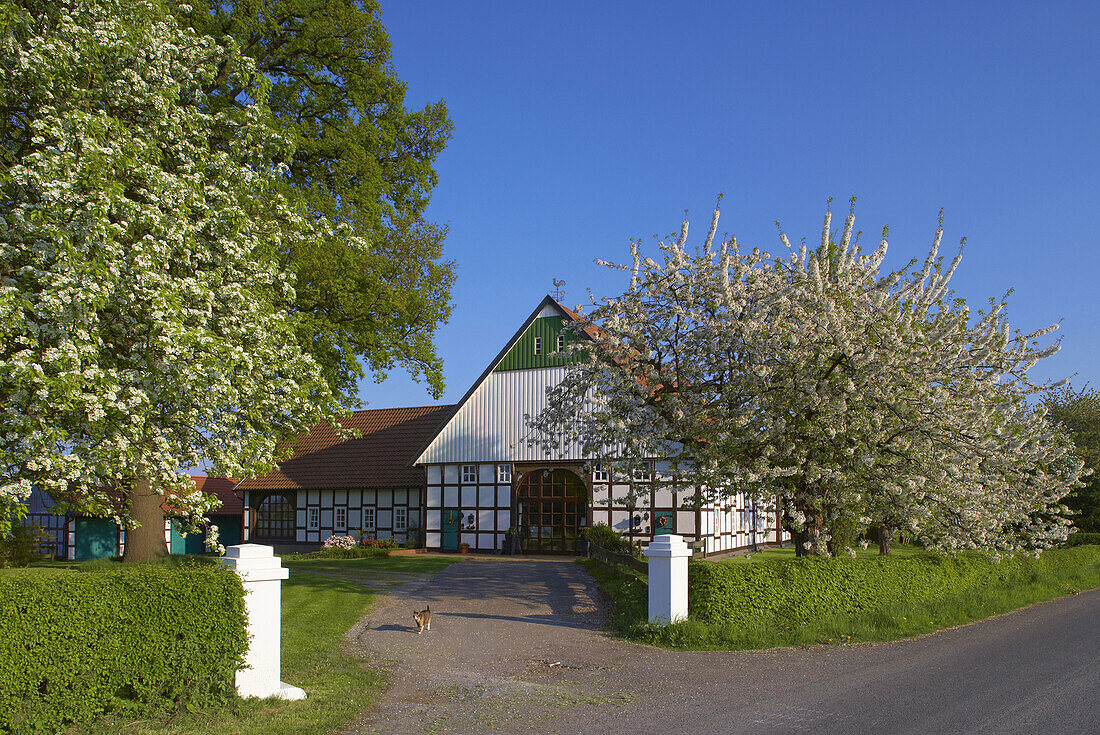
552	508
275	518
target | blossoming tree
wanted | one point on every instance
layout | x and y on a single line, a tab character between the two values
816	378
143	320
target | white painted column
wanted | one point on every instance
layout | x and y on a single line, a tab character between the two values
668	579
262	574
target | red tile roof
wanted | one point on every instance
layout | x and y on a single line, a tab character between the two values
232	503
391	438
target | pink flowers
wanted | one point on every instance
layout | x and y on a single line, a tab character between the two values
339	542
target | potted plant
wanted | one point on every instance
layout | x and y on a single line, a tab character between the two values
464	548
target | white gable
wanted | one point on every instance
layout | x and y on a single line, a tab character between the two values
490	425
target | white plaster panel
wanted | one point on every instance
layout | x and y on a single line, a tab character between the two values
339	497
504	520
450	497
619	493
485	520
385	534
433	539
434	519
469	538
355	497
301	500
312	536
450	473
385	498
400	497
685	521
301	519
354	518
434	474
663	498
486	474
414	497
600	495
326	517
434	497
485	496
504	496
384	519
469	496
485	542
620	520
326	498
663	468
325	535
314	497
370	497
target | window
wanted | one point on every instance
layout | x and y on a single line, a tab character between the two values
469	473
368	519
341	515
600	474
400	518
314	519
643	475
561	342
504	473
538	345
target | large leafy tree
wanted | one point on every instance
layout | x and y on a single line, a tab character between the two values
817	378
359	158
145	320
1078	411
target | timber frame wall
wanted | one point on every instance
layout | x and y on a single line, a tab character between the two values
385	503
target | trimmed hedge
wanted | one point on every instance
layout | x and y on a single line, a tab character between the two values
1083	539
76	644
794	592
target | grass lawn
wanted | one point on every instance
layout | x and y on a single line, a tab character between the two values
317	610
628	594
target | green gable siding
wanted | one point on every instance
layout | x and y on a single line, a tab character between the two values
522	355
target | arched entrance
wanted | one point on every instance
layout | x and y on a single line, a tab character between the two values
275	518
552	508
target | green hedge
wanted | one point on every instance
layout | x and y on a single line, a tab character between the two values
1083	539
76	644
796	591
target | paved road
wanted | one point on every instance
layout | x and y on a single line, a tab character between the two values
516	647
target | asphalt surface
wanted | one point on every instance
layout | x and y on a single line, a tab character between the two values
516	646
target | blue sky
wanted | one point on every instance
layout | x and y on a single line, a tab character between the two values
579	125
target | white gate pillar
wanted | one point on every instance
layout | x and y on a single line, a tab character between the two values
668	579
262	574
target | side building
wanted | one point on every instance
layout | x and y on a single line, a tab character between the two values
365	486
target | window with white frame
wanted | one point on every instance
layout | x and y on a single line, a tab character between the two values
561	342
340	516
368	519
504	473
643	475
400	518
600	474
469	473
313	519
538	345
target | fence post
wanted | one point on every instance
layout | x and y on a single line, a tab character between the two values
668	579
262	574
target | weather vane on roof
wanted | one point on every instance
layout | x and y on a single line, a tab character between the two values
558	292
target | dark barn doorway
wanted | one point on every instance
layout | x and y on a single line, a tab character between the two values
552	508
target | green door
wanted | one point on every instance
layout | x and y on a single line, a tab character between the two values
229	529
179	542
96	538
451	521
664	522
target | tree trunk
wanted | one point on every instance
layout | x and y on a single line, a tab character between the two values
146	542
883	541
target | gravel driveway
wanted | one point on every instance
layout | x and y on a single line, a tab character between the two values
516	647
